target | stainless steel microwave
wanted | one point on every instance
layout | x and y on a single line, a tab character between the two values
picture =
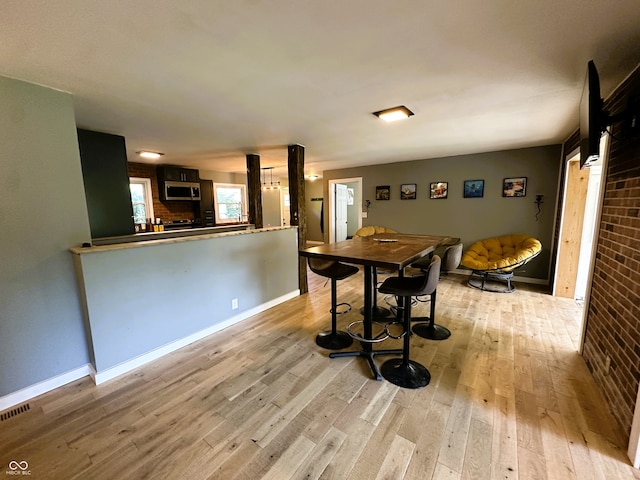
180	191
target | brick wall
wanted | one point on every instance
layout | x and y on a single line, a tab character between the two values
171	210
613	318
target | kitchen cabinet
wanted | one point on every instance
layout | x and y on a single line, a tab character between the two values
106	182
171	173
204	208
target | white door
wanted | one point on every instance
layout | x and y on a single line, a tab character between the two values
331	208
285	203
341	212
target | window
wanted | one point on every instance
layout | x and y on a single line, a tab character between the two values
230	202
141	199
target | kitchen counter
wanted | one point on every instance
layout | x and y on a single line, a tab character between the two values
170	234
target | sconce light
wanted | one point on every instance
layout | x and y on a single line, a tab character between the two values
367	204
538	201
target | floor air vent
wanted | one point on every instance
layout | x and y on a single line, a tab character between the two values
12	413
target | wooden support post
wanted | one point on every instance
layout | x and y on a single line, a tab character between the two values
254	190
298	209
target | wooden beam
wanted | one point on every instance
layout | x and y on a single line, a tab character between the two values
254	192
297	208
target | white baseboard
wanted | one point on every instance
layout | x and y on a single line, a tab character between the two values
45	386
112	372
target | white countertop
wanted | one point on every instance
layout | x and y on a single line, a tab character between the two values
176	236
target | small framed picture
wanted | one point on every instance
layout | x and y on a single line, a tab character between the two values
514	187
438	189
408	191
473	188
383	192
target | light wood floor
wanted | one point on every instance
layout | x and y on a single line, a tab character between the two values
510	398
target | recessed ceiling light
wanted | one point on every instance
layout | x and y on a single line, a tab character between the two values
393	114
150	155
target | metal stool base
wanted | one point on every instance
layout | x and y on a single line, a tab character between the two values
403	374
369	355
334	340
431	332
378	312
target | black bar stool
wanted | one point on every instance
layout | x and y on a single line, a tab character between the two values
405	372
333	339
427	328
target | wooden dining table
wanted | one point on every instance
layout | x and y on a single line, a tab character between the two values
393	251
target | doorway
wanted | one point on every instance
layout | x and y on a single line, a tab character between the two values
285	204
275	207
576	184
345	208
582	208
341	197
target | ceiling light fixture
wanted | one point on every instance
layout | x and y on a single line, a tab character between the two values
149	155
312	177
393	114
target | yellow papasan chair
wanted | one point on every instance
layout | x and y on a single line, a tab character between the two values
495	259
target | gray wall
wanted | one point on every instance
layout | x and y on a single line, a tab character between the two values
313	189
271	212
43	212
191	289
470	219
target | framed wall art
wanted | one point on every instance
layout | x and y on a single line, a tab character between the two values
473	188
383	192
408	191
514	187
438	189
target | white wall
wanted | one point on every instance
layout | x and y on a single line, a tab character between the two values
43	212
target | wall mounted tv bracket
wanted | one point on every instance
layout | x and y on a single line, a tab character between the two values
630	119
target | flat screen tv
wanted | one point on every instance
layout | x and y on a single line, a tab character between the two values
592	118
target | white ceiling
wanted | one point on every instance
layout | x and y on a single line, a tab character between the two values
208	81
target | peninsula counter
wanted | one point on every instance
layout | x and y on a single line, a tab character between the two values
144	299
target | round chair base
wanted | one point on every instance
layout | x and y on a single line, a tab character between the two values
378	312
431	332
413	375
491	282
333	341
